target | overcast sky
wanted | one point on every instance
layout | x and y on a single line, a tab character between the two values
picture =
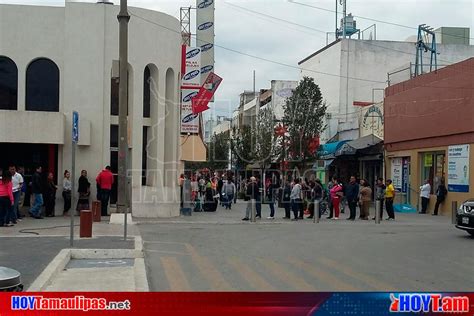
275	40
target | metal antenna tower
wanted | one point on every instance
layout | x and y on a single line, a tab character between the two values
185	19
423	45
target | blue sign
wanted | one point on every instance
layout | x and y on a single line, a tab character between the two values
193	53
189	118
205	4
206	47
75	127
205	26
206	69
191	75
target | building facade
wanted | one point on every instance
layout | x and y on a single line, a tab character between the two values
429	131
56	60
350	70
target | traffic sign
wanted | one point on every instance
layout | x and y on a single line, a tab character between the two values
75	127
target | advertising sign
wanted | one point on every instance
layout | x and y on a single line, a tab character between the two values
397	173
189	121
458	168
202	99
75	127
191	67
205	32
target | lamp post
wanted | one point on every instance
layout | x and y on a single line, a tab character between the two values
122	201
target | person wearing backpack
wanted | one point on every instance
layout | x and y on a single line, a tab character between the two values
440	196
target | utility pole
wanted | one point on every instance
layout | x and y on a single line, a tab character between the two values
344	18
122	192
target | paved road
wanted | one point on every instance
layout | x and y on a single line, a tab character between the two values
217	252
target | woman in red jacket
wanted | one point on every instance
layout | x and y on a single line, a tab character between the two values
336	194
6	196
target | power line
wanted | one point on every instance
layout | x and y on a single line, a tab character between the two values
262	58
372	19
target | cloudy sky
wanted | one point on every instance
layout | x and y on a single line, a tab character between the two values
283	33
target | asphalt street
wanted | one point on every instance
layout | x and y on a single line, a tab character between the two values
31	254
218	252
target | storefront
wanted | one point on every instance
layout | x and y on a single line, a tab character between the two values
429	131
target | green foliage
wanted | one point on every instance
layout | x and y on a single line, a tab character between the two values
265	139
243	146
304	118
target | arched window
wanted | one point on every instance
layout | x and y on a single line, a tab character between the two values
147	92
42	86
8	84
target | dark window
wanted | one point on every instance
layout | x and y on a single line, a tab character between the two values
144	154
114	96
8	84
114	136
42	86
147	92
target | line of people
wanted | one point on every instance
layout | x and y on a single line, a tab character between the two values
13	187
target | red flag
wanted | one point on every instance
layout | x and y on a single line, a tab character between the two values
201	100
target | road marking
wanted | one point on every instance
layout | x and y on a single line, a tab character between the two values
167	252
378	285
254	279
322	275
176	278
207	269
286	276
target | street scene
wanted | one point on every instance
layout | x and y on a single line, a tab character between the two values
236	146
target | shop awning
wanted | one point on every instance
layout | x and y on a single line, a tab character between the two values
328	151
351	147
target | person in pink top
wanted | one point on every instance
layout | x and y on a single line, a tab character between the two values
336	195
6	196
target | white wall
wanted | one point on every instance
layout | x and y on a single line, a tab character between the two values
82	39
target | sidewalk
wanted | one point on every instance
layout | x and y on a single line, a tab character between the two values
32	247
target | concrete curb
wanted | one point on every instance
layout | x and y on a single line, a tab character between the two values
54	267
59	263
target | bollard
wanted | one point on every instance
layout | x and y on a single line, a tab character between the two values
10	280
186	209
96	211
85	229
378	206
454	211
317	213
253	216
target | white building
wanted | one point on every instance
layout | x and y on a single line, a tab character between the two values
54	60
350	70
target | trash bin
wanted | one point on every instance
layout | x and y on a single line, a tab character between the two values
10	280
85	229
96	211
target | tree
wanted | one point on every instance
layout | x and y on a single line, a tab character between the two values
303	119
218	151
243	146
265	139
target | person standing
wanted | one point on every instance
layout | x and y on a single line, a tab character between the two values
105	180
380	195
228	192
286	200
316	195
84	190
6	197
297	200
441	193
67	186
352	194
271	194
425	192
365	200
251	197
17	185
389	198
50	195
37	190
258	204
330	185
336	196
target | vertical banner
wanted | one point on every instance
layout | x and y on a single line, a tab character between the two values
397	166
189	121
205	33
191	67
405	175
458	168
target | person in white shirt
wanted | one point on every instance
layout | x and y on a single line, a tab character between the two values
425	192
17	183
67	187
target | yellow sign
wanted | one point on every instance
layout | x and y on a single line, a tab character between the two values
428	160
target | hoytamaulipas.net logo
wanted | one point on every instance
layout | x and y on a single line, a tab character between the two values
76	303
435	303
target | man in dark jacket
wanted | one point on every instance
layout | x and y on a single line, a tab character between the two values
286	200
37	190
252	193
352	195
